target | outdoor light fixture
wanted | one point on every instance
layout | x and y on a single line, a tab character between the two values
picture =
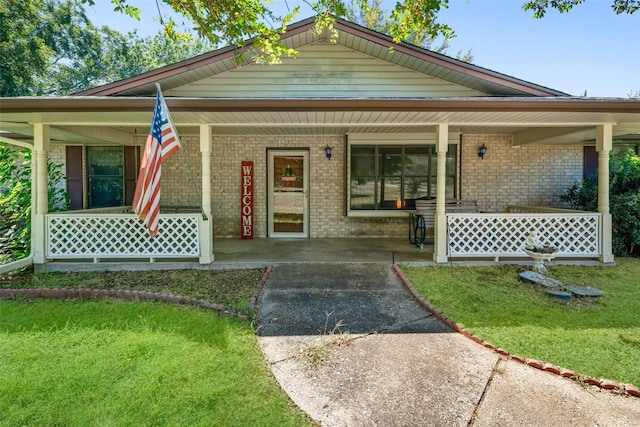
482	151
327	150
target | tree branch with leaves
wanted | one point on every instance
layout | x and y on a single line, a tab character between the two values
540	7
233	22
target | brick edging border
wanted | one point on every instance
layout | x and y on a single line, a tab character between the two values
260	287
68	293
626	389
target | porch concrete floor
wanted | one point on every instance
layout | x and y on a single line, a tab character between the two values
264	252
235	253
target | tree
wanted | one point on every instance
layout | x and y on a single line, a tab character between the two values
117	57
232	22
378	19
23	47
50	47
540	7
624	201
15	200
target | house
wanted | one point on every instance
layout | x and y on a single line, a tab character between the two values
339	142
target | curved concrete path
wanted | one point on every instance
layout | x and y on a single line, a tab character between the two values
351	347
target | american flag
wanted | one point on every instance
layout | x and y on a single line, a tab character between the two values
161	143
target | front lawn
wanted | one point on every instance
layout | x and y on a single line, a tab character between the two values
600	338
121	363
230	288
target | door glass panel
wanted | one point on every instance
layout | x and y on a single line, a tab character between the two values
288	194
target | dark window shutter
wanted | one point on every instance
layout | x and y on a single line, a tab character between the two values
75	186
589	162
131	162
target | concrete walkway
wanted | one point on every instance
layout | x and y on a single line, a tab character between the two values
351	347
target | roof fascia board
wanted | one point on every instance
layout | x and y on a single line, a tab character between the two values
126	104
485	104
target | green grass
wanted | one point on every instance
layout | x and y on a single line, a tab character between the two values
118	363
599	338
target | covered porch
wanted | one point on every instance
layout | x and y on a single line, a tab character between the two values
112	238
96	237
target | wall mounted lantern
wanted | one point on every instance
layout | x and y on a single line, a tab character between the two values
327	150
482	151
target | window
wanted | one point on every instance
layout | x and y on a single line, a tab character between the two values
393	177
110	176
105	176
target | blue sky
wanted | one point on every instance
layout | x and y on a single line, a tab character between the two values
588	49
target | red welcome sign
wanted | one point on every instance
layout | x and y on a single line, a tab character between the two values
246	204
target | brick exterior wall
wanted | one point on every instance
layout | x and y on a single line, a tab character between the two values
181	180
530	175
326	188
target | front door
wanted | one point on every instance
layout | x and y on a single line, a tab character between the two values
288	204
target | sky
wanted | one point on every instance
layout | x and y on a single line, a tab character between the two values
588	50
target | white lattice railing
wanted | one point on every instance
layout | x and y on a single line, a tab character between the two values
503	234
102	235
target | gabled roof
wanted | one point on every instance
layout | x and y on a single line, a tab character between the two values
350	35
264	100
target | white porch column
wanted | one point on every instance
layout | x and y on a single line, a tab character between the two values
206	226
39	186
604	143
440	220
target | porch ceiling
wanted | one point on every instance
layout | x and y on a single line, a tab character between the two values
545	121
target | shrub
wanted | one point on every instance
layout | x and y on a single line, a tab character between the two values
624	201
15	200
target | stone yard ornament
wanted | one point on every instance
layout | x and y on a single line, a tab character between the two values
558	289
554	288
539	252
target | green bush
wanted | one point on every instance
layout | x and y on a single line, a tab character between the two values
15	200
624	201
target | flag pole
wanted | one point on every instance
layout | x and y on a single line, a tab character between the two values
184	157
